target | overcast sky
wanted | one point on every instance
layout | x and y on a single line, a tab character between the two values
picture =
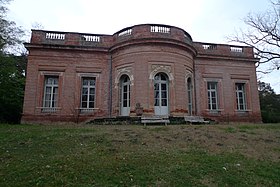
205	20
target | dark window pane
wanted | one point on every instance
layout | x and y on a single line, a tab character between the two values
157	77
162	77
163	102
84	104
48	97
48	90
84	98
92	82
125	89
125	79
49	81
91	97
156	102
91	104
124	95
85	82
124	103
164	94
55	97
214	85
156	86
240	101
55	90
55	81
163	86
85	91
240	94
189	84
214	107
92	91
47	103
156	94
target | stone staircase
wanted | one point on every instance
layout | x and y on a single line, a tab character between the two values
195	120
155	119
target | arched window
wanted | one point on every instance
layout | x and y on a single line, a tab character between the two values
124	95
189	90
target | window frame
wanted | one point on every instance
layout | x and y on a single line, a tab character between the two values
243	98
210	97
53	102
88	87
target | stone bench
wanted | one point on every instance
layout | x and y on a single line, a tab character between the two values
155	119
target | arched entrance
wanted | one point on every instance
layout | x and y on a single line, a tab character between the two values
124	95
161	94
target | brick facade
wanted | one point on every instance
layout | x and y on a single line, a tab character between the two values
141	53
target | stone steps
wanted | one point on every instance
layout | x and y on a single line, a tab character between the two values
195	119
155	119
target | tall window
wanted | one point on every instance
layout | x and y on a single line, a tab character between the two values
125	92
190	95
212	95
50	92
88	93
125	95
240	96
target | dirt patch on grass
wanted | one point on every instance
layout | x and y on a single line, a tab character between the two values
258	141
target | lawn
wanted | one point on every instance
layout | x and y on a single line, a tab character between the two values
132	155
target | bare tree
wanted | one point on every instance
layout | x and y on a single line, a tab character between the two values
264	35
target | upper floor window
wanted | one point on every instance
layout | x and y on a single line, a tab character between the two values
212	95
88	93
240	96
50	92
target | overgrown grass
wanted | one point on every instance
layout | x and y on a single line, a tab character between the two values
34	155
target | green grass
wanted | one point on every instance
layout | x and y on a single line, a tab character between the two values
34	155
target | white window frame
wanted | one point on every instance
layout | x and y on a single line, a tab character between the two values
209	95
190	95
242	98
53	102
88	87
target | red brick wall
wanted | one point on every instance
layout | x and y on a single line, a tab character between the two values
227	72
142	60
69	66
140	54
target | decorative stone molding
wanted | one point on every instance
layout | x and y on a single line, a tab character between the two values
188	74
161	68
124	71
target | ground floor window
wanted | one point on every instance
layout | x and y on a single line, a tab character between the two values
88	93
240	96
212	95
50	99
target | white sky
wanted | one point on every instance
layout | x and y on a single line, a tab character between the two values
205	20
